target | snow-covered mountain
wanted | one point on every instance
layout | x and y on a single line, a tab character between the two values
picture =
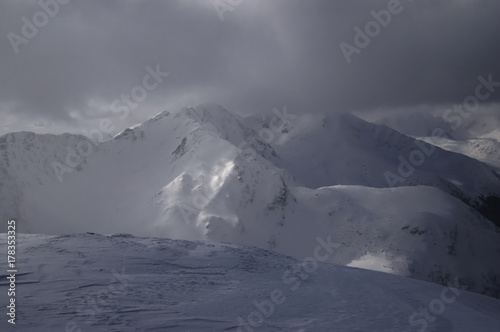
91	282
205	173
344	149
476	136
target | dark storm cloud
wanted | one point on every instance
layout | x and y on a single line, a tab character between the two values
264	54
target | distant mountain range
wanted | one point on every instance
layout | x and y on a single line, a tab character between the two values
385	201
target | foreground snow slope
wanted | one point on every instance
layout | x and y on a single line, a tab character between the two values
122	283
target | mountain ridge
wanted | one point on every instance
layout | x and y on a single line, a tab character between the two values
207	174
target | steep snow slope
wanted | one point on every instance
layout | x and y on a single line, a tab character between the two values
203	174
331	150
437	238
132	168
486	150
476	136
122	283
25	165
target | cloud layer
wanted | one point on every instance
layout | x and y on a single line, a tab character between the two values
264	54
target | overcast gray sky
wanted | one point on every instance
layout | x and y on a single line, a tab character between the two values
263	54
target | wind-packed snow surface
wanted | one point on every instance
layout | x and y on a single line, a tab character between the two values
207	174
91	282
